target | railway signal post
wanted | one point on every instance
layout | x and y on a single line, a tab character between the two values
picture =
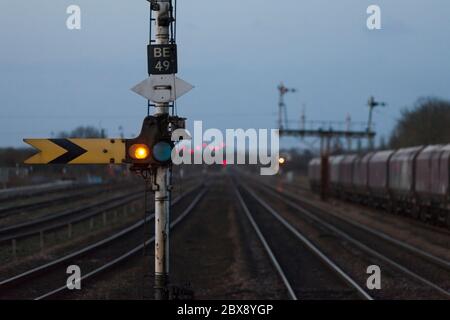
161	89
372	104
282	111
163	21
150	153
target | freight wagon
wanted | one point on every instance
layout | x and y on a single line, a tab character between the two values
414	181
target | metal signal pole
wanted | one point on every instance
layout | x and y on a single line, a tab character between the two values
282	112
162	88
372	104
162	193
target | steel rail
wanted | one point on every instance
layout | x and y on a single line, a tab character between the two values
130	253
416	222
90	248
12	209
36	190
15	231
313	248
266	245
423	254
362	246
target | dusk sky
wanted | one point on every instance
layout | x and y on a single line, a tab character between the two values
235	52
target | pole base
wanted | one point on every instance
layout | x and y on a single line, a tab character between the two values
161	287
181	293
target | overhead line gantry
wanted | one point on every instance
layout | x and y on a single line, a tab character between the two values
326	135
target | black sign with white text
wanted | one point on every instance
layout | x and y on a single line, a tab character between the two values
162	59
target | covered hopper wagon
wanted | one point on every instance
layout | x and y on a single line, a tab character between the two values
414	181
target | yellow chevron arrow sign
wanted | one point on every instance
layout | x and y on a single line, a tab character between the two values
77	151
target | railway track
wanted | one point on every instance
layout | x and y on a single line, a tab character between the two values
60	219
294	188
37	190
380	234
49	280
429	224
39	229
432	273
88	192
305	270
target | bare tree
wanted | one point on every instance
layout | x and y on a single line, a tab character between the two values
428	122
83	132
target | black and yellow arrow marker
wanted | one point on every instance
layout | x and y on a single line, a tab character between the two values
77	151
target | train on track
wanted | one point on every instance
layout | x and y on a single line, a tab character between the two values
414	181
